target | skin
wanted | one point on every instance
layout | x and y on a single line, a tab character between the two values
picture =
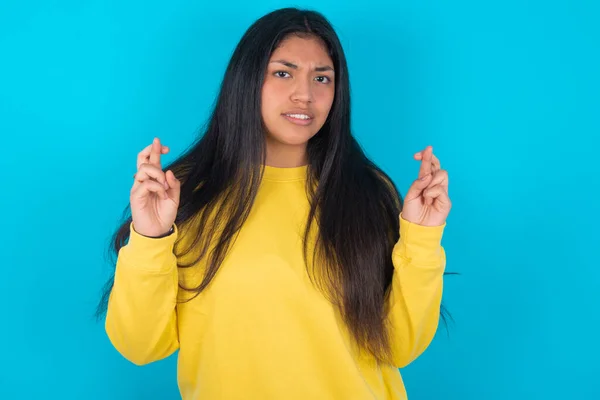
427	202
299	79
306	87
154	196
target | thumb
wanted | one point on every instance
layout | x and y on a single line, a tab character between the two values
417	187
174	185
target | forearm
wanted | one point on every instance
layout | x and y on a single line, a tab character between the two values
141	320
415	297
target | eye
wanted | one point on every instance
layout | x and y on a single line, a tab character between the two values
280	74
323	79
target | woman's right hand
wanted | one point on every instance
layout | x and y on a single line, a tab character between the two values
154	197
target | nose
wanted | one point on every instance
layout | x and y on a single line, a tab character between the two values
302	91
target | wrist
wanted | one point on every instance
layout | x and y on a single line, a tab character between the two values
169	232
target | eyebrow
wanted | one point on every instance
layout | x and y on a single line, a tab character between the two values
294	66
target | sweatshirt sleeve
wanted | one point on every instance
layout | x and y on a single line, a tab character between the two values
416	291
141	319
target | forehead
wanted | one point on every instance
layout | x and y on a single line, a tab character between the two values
303	50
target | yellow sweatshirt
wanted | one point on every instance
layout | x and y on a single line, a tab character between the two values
260	330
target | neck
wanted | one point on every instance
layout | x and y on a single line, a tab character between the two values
286	156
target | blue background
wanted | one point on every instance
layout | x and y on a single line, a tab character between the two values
507	92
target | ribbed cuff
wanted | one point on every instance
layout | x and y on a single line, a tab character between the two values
151	253
420	244
420	235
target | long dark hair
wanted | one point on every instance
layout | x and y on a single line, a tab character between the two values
354	204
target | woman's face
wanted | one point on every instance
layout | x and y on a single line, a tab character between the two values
298	92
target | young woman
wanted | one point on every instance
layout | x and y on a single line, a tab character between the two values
274	255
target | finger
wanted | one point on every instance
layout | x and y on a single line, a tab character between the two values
417	187
435	162
155	152
426	162
147	187
149	171
436	194
440	178
434	159
144	155
174	188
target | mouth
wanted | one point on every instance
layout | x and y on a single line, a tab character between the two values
299	118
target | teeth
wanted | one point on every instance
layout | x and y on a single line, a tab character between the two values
299	116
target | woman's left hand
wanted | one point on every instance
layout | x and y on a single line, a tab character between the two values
427	202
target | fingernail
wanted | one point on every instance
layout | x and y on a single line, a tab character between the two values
425	177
